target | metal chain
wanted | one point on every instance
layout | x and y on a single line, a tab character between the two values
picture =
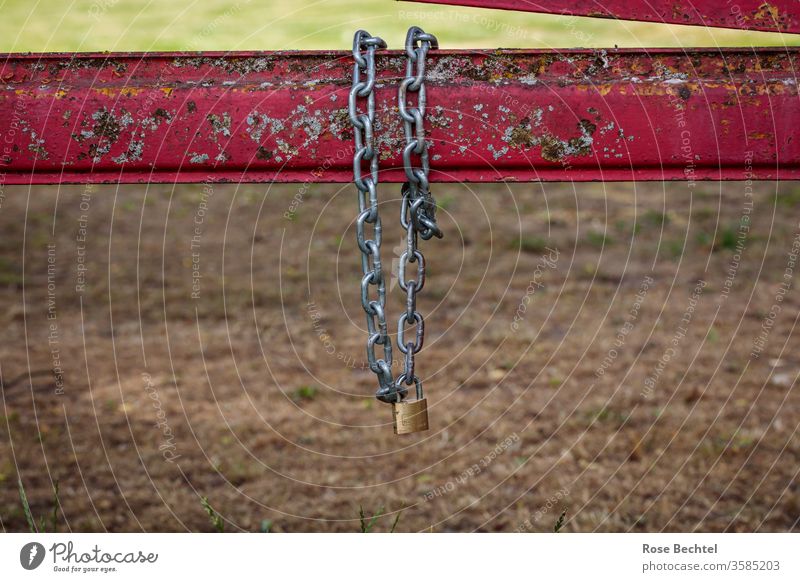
366	154
417	215
418	210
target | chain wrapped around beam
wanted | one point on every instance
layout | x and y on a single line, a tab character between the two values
417	217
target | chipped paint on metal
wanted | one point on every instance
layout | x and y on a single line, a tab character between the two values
774	16
493	115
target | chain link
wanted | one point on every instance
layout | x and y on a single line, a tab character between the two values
417	212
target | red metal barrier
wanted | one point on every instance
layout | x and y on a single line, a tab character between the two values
493	116
771	16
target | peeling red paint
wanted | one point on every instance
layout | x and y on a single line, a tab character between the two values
492	116
772	16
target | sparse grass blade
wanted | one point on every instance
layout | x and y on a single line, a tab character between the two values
26	508
213	516
366	526
560	522
56	506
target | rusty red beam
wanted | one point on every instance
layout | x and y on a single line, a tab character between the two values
493	116
769	16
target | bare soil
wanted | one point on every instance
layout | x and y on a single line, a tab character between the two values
589	348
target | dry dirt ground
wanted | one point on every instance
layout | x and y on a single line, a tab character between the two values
605	349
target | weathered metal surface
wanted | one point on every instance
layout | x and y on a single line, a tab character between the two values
492	116
771	16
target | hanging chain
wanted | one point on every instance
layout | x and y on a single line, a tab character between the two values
366	154
419	204
418	210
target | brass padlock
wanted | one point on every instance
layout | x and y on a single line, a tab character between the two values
410	416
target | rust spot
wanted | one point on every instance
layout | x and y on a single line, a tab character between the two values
220	123
552	148
191	106
587	127
77	64
769	15
241	66
106	125
39	150
263	153
521	135
340	125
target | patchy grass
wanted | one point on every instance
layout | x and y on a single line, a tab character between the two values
445	202
727	238
673	248
606	415
41	525
656	218
228	366
789	198
627	227
89	25
704	239
529	244
598	239
733	444
368	523
305	393
10	272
